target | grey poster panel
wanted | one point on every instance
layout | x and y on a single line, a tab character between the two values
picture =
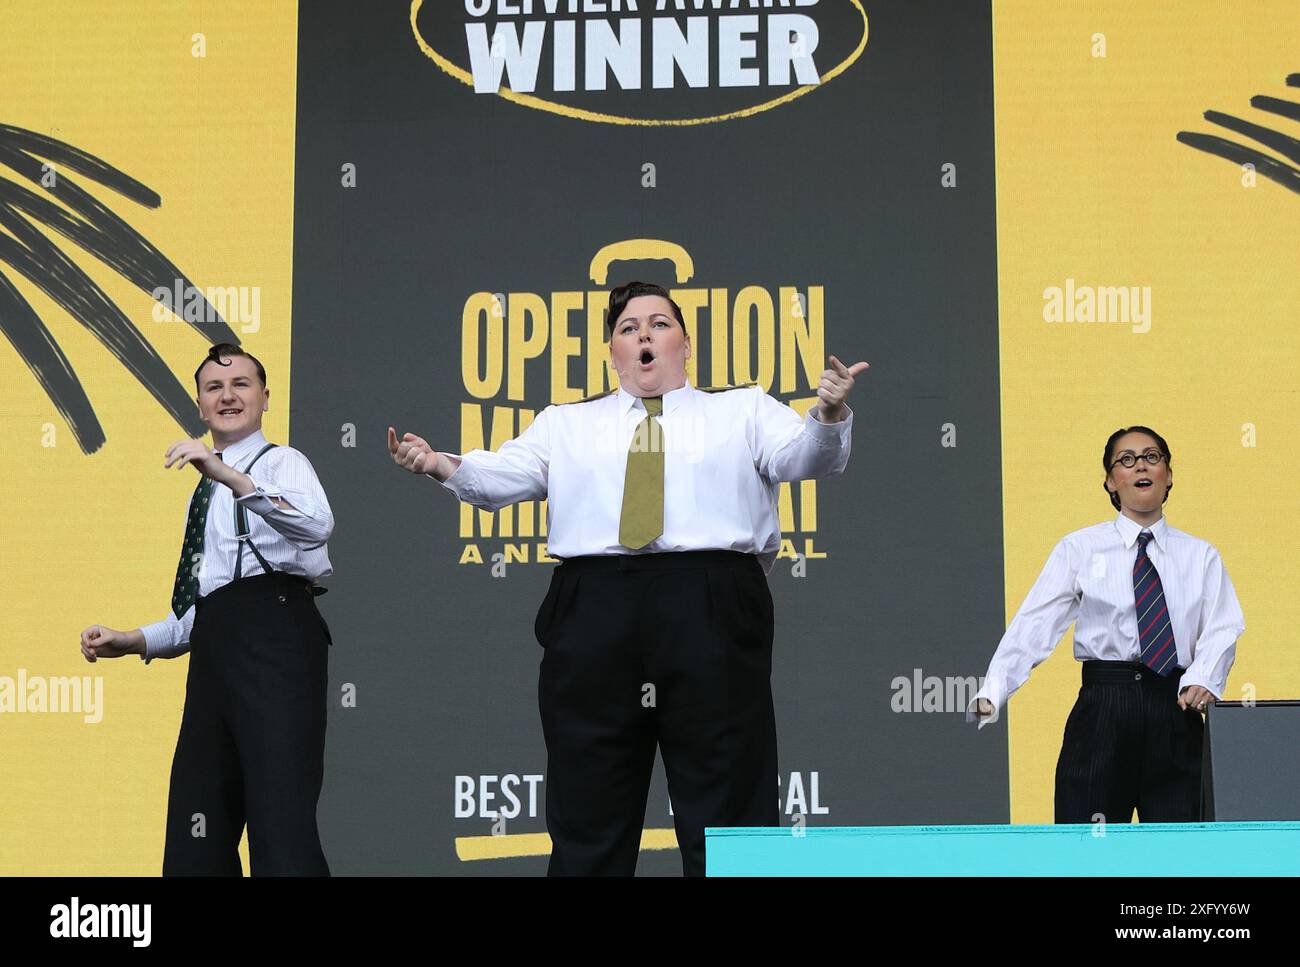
860	214
1253	762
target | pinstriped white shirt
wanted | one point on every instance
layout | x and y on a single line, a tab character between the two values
1088	580
290	540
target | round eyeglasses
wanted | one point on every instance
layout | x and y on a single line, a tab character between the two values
1129	460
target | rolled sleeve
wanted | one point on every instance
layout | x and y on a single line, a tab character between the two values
262	499
308	521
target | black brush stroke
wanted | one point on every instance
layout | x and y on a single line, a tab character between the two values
1279	142
1270	168
1276	105
1293	80
23	327
110	239
41	261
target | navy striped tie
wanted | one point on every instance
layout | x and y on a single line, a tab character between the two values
1155	633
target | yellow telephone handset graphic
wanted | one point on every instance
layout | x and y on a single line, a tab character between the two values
633	249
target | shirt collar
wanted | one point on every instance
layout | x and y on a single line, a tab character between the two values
236	452
672	399
1129	529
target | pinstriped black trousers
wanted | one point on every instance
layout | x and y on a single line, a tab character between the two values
252	742
1129	746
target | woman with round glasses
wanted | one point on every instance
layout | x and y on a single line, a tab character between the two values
1156	623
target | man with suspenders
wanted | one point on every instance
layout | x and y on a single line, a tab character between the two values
252	740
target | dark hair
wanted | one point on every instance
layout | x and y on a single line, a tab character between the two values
621	295
1106	457
228	349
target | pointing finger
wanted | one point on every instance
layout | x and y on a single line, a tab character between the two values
392	440
858	368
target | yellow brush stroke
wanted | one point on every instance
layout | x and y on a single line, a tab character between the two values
540	104
539	844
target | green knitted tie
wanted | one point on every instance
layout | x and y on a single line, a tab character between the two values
642	519
187	572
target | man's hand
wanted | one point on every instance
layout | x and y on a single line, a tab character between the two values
1194	696
200	456
836	382
98	641
984	708
412	453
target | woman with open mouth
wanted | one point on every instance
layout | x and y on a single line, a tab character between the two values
658	625
1156	623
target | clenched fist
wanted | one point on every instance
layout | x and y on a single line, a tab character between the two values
100	641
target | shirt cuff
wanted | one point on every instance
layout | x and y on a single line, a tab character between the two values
259	499
460	482
159	639
1190	678
828	434
989	693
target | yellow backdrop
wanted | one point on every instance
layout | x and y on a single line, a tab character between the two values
1092	186
95	538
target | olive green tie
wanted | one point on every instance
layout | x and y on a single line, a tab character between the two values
642	519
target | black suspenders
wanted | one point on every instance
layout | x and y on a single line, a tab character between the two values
244	537
241	527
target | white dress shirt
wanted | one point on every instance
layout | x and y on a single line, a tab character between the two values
1088	579
724	455
291	540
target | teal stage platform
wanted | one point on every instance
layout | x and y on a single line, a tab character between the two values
1151	849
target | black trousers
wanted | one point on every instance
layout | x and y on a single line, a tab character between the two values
1129	746
252	740
669	649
